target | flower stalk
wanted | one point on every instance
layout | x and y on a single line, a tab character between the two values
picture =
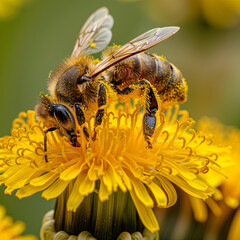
104	220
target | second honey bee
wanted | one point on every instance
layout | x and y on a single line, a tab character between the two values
80	85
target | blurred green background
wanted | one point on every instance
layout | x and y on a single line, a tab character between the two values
36	35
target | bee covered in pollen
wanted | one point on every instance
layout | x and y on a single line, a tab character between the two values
80	86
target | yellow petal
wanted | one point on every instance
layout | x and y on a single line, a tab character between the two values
87	186
55	189
10	172
119	181
75	197
234	231
95	170
126	180
71	172
30	190
146	214
188	188
169	189
42	180
199	208
103	192
141	192
158	194
108	180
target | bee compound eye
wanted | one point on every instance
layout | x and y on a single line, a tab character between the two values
62	114
66	122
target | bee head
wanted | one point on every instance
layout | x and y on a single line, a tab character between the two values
57	115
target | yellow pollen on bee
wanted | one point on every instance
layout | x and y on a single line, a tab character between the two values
162	58
115	45
50	73
92	45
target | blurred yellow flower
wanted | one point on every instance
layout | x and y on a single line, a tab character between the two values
217	212
221	13
226	136
230	187
8	8
217	13
10	230
115	164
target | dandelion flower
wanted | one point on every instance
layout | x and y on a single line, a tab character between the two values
10	230
217	14
115	182
9	8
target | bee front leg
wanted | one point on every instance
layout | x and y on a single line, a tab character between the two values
102	101
45	140
81	119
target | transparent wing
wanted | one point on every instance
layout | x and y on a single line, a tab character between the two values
95	34
137	45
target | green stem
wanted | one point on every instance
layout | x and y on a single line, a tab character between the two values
104	220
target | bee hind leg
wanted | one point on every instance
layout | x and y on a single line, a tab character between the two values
81	119
102	101
149	119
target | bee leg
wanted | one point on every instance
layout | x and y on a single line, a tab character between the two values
81	119
102	100
45	140
149	119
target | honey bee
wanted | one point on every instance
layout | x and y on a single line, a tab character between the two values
80	85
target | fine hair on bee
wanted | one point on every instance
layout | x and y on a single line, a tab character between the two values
80	87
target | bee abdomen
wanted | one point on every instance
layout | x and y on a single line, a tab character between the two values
148	66
159	72
164	76
155	69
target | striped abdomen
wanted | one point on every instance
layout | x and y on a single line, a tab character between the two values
164	76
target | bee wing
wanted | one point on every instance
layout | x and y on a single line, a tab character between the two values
95	34
135	46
